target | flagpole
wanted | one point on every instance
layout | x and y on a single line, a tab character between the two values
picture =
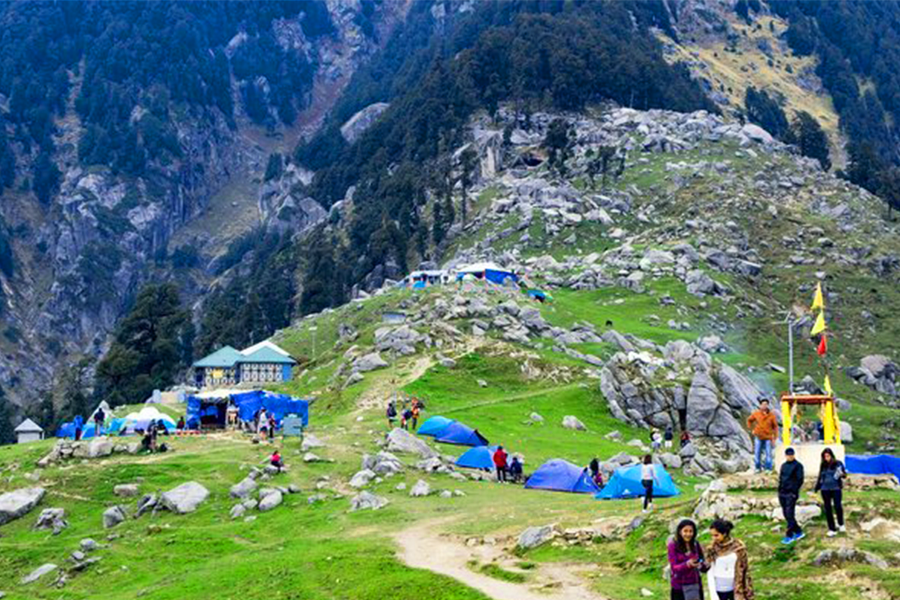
790	332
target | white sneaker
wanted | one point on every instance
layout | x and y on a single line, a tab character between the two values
644	511
831	533
842	529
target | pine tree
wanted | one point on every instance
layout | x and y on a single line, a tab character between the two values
7	428
889	189
467	161
809	137
559	145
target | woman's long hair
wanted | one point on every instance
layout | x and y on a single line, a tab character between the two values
680	542
828	464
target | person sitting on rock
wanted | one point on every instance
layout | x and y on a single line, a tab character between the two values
685	438
276	461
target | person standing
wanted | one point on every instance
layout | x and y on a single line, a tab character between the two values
790	480
686	562
99	418
415	415
656	440
500	463
668	436
729	565
648	478
831	483
391	414
78	423
262	424
764	427
273	424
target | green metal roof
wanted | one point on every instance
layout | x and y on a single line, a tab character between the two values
222	358
267	355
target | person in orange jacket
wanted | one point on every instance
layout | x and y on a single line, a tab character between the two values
763	426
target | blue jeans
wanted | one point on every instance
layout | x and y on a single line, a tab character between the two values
760	446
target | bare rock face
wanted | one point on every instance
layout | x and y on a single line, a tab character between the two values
18	503
362	120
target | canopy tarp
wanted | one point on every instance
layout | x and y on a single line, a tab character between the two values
626	483
560	475
278	405
457	433
479	457
878	464
435	425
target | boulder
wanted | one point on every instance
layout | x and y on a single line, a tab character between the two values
849	554
757	133
367	501
112	516
399	440
88	545
846	432
38	573
146	504
535	536
362	478
18	503
670	461
876	364
243	488
52	518
99	447
270	501
362	120
310	441
185	498
370	362
237	511
420	489
571	422
127	490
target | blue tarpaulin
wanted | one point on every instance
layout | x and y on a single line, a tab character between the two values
626	483
457	433
248	404
562	476
479	457
499	277
435	425
878	464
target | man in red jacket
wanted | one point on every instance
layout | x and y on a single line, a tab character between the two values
500	463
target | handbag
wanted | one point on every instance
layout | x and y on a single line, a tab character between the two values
691	591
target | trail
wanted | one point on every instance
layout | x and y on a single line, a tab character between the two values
422	548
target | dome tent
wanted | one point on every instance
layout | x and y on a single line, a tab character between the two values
434	426
562	476
626	483
479	457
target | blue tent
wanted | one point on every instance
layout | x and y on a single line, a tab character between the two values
499	277
626	483
562	476
479	457
435	425
879	464
66	430
457	433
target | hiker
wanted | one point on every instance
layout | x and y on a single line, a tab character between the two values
78	422
180	425
668	436
261	423
515	470
273	424
686	562
655	440
764	427
415	415
147	442
391	414
685	438
406	418
231	416
790	480
276	461
500	463
728	565
99	418
648	478
831	483
594	467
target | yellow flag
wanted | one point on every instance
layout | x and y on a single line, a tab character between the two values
819	326
818	298
827	386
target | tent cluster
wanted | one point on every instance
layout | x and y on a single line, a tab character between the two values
211	410
127	425
448	431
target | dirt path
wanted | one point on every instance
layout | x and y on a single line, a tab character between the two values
422	547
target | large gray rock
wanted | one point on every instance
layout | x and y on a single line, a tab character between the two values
571	422
356	125
846	432
127	490
757	133
702	403
535	536
52	518
740	393
270	501
99	447
367	501
38	573
18	503
701	284
420	489
185	498
876	364
112	516
243	488
362	478
370	362
310	441
400	440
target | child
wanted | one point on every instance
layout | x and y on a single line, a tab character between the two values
275	460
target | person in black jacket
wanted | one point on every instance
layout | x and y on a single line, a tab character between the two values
831	484
790	480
